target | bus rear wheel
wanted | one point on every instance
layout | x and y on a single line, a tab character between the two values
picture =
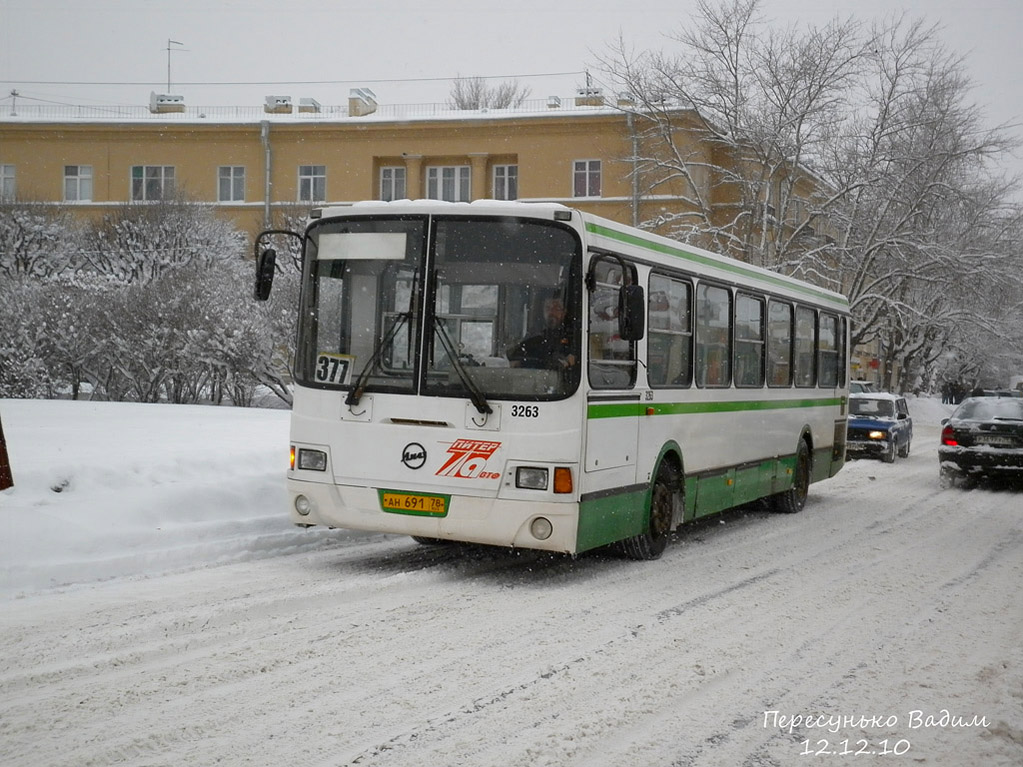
651	544
794	499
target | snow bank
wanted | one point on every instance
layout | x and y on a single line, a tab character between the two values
107	489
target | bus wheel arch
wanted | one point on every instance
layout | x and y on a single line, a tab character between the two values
794	499
666	510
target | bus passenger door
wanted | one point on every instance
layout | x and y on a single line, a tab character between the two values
615	322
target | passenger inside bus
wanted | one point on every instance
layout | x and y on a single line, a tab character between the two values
550	349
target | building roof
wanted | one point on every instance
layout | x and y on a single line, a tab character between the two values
296	112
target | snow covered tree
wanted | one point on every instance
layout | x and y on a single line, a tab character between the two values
151	304
921	232
36	240
23	368
729	124
848	155
137	242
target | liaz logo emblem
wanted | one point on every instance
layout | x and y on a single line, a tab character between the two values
468	460
413	455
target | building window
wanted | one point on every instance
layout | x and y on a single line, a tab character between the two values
506	182
312	183
449	183
7	189
77	183
231	183
152	182
392	183
586	178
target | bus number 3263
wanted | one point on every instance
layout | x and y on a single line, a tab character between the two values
525	411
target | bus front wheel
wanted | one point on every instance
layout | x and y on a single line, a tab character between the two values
651	543
794	499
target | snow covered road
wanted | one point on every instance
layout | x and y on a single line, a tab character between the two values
884	619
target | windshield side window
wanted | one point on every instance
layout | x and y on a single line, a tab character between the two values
612	359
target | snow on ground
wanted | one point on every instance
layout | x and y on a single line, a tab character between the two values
106	489
160	610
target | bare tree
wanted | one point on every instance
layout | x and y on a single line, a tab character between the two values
475	93
847	155
731	122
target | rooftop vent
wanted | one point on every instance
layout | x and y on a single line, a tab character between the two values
553	102
361	101
589	97
165	102
308	105
277	105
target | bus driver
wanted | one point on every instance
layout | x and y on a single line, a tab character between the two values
551	349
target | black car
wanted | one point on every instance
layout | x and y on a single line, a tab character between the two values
982	438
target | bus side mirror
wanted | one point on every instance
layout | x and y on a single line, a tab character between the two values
631	312
266	263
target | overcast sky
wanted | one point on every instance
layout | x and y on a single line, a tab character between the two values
235	52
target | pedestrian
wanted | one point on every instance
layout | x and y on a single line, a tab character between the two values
6	478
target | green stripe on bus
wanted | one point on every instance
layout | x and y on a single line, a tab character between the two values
633	409
728	266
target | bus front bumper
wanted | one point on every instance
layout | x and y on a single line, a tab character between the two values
471	519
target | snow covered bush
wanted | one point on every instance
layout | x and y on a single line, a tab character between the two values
152	303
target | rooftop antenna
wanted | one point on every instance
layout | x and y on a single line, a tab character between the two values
169	49
14	102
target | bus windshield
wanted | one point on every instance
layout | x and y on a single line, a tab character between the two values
442	306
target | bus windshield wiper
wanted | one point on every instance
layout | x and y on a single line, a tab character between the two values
476	395
360	383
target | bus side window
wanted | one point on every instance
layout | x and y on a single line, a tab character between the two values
670	326
749	341
827	351
713	335
779	344
806	346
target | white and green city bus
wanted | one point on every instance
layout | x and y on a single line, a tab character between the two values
529	375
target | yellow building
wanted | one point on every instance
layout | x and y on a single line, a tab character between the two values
254	162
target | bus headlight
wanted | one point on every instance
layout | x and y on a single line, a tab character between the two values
531	478
312	460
